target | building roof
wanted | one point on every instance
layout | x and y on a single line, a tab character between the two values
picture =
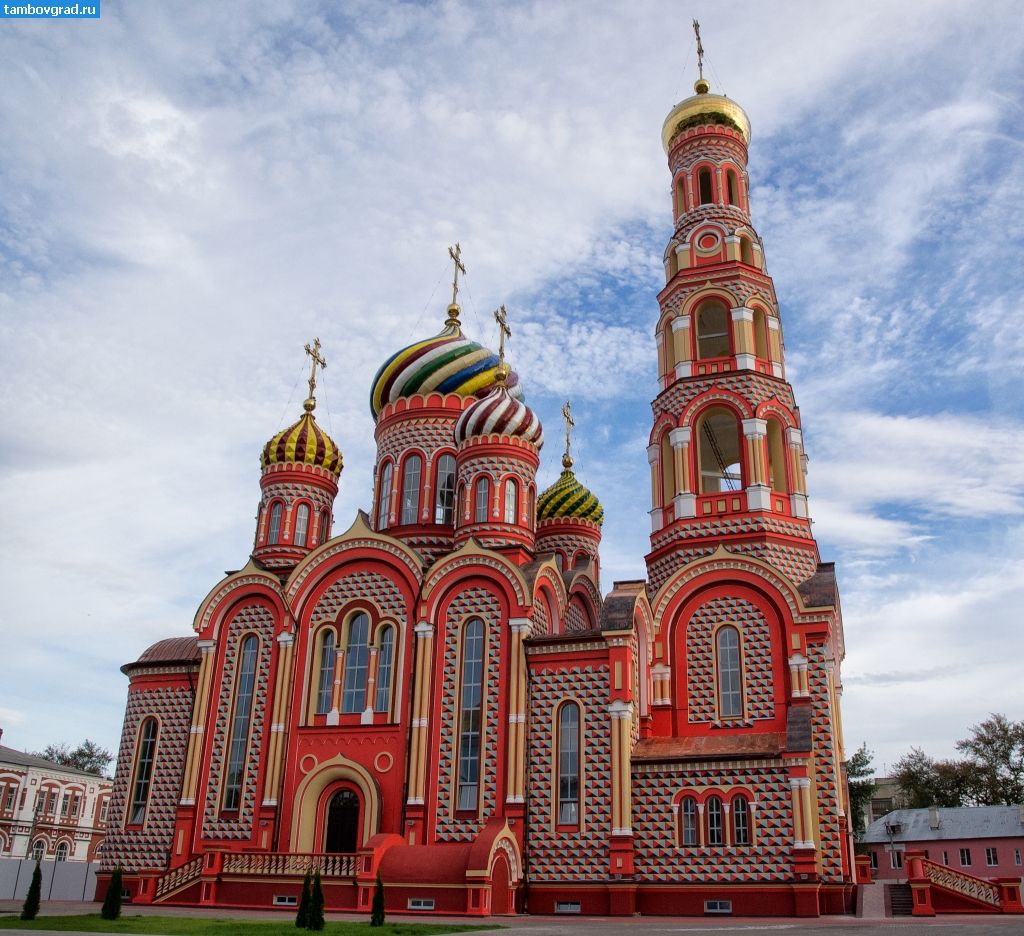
164	652
820	590
961	822
13	758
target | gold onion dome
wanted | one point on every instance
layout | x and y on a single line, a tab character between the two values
303	443
704	108
568	498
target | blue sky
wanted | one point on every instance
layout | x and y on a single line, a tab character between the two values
186	200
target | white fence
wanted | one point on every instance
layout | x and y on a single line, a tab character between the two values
62	880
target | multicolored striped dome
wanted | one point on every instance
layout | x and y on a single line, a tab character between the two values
499	412
568	498
447	363
303	443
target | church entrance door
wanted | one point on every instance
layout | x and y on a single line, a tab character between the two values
343	823
499	886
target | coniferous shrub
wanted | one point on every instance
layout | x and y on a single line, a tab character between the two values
377	910
31	906
302	917
112	902
316	904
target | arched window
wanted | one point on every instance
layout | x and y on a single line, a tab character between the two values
689	821
580	560
560	561
342	823
732	188
387	648
714	811
462	508
730	691
718	452
668	471
740	820
569	765
670	350
38	850
531	514
143	772
275	523
713	331
324	533
353	693
760	335
62	851
746	251
483	496
239	748
301	525
384	497
776	456
411	489
444	510
325	684
681	196
511	501
470	713
704	186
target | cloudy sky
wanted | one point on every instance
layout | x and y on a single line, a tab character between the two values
189	194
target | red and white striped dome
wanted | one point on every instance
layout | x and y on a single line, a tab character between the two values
502	414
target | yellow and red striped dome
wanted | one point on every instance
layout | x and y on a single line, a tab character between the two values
303	443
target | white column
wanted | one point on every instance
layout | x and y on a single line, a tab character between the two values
654	460
680	322
685	501
759	495
798	464
747	360
773	325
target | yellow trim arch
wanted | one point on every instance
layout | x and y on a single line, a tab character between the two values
309	792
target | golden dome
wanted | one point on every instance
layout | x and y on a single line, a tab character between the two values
714	105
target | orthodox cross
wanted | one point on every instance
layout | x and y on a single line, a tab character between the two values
455	253
569	423
314	353
503	332
700	49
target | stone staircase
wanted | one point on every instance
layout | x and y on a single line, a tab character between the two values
901	900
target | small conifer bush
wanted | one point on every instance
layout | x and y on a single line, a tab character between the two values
316	904
302	917
112	902
377	910
31	906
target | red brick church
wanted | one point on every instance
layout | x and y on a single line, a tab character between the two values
443	691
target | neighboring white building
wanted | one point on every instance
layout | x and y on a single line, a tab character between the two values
48	811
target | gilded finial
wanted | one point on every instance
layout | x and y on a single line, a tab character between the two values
701	85
453	310
502	370
314	352
569	423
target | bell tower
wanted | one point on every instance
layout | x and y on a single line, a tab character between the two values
726	449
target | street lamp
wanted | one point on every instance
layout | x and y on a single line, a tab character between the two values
893	828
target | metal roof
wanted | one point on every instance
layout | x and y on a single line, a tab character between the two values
13	758
961	822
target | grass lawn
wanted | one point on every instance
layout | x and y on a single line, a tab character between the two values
198	926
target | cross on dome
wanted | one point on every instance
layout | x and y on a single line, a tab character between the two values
314	353
503	332
702	86
569	424
453	310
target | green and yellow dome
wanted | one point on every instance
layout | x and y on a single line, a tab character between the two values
568	498
303	443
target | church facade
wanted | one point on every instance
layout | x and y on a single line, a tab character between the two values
444	693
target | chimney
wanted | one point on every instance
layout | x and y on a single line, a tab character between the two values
933	816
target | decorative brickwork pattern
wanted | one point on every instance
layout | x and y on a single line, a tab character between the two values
290	491
149	847
474	602
548	540
755	635
541	624
824	765
796	563
576	619
589	849
427	433
370	585
753	387
257	619
659	571
656	856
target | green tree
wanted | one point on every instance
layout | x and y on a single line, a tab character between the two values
996	754
35	888
88	756
112	902
860	779
377	910
914	774
302	917
316	904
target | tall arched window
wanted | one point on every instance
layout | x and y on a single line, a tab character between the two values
718	452
776	456
342	823
411	489
746	251
238	750
444	509
511	501
714	811
483	496
470	713
143	772
461	507
713	331
681	196
668	471
384	659
384	497
353	693
531	514
275	523
325	684
732	188
38	850
569	765
740	820
324	534
301	525
730	691
62	851
760	335
689	821
705	187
